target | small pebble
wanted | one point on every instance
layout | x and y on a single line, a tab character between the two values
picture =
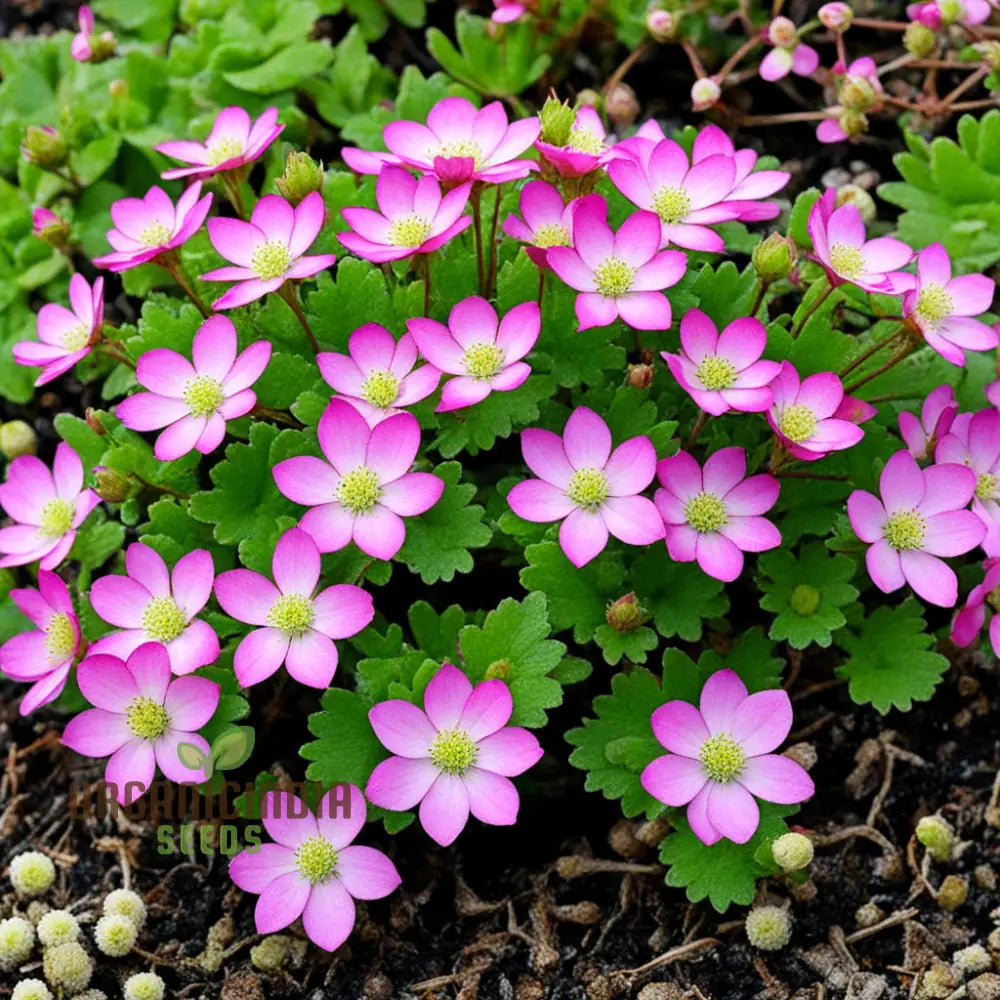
985	987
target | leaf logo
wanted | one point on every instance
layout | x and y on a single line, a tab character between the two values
231	748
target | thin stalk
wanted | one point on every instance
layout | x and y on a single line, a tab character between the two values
699	426
817	302
232	185
882	369
156	488
759	298
730	64
477	226
288	293
170	262
874	349
280	416
491	274
114	351
427	284
627	63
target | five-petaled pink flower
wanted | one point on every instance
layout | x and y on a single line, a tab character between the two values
723	371
941	307
547	221
455	756
139	718
44	656
789	55
807	415
593	490
268	250
919	518
483	353
722	758
377	375
234	142
149	226
65	336
87	45
414	217
936	416
971	619
364	489
313	869
713	515
47	506
617	274
153	604
194	401
296	625
931	14
583	151
840	247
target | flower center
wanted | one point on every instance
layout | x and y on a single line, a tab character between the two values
224	149
380	388
986	486
154	235
77	338
316	859
552	235
57	518
905	530
462	148
359	490
705	512
671	203
933	305
588	488
846	260
163	620
60	638
584	141
483	360
270	260
716	373
146	718
203	395
614	277
410	231
798	422
722	758
453	751
292	613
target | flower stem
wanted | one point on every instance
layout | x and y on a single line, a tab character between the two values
806	474
170	262
629	61
279	416
166	490
699	426
759	298
232	184
114	350
491	274
874	349
898	355
817	302
477	226
288	293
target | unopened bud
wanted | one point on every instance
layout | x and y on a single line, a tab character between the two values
640	376
773	258
102	46
661	25
852	194
705	93
858	94
49	227
302	176
45	146
950	11
621	105
792	852
936	834
624	615
768	927
557	118
588	98
17	438
111	486
990	51
94	421
920	41
805	600
782	32
854	123
836	16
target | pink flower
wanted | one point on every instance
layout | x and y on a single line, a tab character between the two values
723	372
721	758
47	506
861	78
378	376
193	402
970	620
454	757
940	307
593	490
789	55
65	336
297	625
507	11
936	14
234	142
857	411
140	715
836	16
87	45
713	515
313	869
975	443
44	221
414	218
618	274
42	657
839	246
485	357
148	226
364	489
268	250
584	150
151	604
919	518
936	415
547	221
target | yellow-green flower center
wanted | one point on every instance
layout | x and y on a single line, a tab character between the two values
722	758
986	486
483	360
585	141
410	231
705	512
453	751
846	260
359	490
146	718
155	235
905	530
292	613
222	150
380	388
934	304
798	423
57	518
163	620
203	395
552	235
316	859
76	339
60	638
671	203
588	488
614	277
716	373
464	147
805	600
270	260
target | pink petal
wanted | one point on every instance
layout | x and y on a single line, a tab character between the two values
342	610
245	595
487	709
930	578
287	819
492	797
379	533
445	697
733	811
259	655
329	914
166	750
306	480
131	769
582	536
444	810
509	751
762	721
96	733
680	727
412	494
341	819
400	782
884	566
296	563
312	659
721	696
645	310
901	483
586	440
697	817
632	519
366	873
106	682
402	728
120	600
719	557
774	778
535	500
281	903
254	870
673	780
545	456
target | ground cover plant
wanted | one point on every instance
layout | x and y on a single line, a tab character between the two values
424	448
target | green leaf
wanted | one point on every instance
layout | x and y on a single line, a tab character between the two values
679	596
633	644
436	634
287	68
97	540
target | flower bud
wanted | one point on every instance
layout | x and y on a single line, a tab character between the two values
774	258
125	903
94	422
49	227
792	852
836	16
852	194
640	376
782	32
624	615
854	123
57	927
769	928
661	25
858	94
804	600
621	105
102	46
17	438
588	98
302	176
557	119
990	51
953	893
45	146
705	93
936	834
920	41
111	486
